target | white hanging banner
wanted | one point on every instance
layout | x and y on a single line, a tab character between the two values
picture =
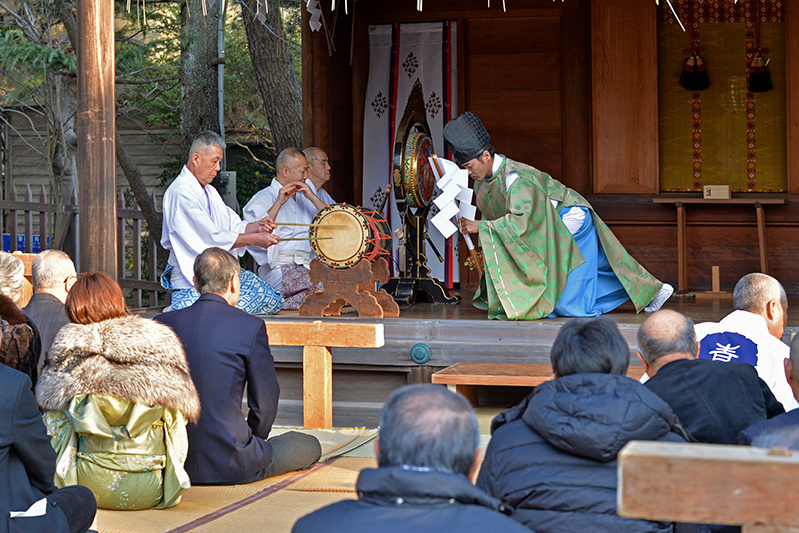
400	54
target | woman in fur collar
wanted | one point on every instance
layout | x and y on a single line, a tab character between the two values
117	393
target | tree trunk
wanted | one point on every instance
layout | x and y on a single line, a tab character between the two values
199	107
274	72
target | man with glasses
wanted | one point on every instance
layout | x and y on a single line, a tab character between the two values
53	274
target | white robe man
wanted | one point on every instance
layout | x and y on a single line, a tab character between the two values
196	218
288	200
318	172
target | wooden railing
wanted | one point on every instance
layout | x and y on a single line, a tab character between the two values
137	250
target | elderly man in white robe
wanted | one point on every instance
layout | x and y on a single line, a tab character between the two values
288	200
196	218
318	172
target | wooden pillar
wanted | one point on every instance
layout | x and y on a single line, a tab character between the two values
96	139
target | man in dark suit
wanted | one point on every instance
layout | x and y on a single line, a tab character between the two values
713	400
791	418
228	349
30	501
53	274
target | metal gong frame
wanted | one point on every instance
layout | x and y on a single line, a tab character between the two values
414	282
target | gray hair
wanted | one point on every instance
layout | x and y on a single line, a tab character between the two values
589	346
51	268
286	157
12	275
664	333
312	153
755	290
428	426
784	437
204	141
213	270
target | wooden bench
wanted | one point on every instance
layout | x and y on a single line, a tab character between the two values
710	484
465	377
317	338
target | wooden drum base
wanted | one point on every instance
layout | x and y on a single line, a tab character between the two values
354	286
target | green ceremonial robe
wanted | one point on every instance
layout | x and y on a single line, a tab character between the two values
529	252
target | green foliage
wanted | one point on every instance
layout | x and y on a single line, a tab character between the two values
251	175
16	50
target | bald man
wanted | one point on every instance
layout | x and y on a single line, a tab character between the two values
753	332
713	400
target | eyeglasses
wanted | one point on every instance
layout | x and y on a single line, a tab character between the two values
72	277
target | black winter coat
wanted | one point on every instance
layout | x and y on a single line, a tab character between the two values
398	499
553	457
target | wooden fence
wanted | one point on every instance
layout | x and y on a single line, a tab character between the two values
137	250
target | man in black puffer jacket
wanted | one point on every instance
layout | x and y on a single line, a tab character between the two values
553	456
426	454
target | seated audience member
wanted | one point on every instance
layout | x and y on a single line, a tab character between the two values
791	418
53	274
782	437
752	333
553	456
227	350
116	393
21	344
714	400
30	501
427	454
292	204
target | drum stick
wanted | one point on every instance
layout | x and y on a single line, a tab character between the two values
385	199
307	225
303	239
314	225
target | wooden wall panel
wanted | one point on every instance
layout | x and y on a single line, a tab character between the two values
792	92
625	110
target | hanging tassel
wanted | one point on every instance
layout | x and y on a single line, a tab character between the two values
759	76
694	76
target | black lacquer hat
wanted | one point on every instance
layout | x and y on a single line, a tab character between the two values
466	137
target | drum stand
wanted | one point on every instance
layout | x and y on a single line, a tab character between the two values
356	285
414	283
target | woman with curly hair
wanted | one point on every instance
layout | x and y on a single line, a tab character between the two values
117	393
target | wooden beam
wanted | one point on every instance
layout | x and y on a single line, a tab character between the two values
96	126
318	333
317	338
708	483
317	387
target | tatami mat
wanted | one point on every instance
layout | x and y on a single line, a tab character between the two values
339	476
274	514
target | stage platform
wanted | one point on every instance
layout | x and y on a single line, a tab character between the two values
363	378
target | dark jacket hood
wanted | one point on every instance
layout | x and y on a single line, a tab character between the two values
407	485
593	415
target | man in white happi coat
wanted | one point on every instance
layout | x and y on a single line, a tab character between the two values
318	172
289	201
752	333
196	218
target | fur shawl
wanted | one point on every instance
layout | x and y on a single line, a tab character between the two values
21	344
134	358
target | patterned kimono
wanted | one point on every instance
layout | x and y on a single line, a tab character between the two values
529	252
